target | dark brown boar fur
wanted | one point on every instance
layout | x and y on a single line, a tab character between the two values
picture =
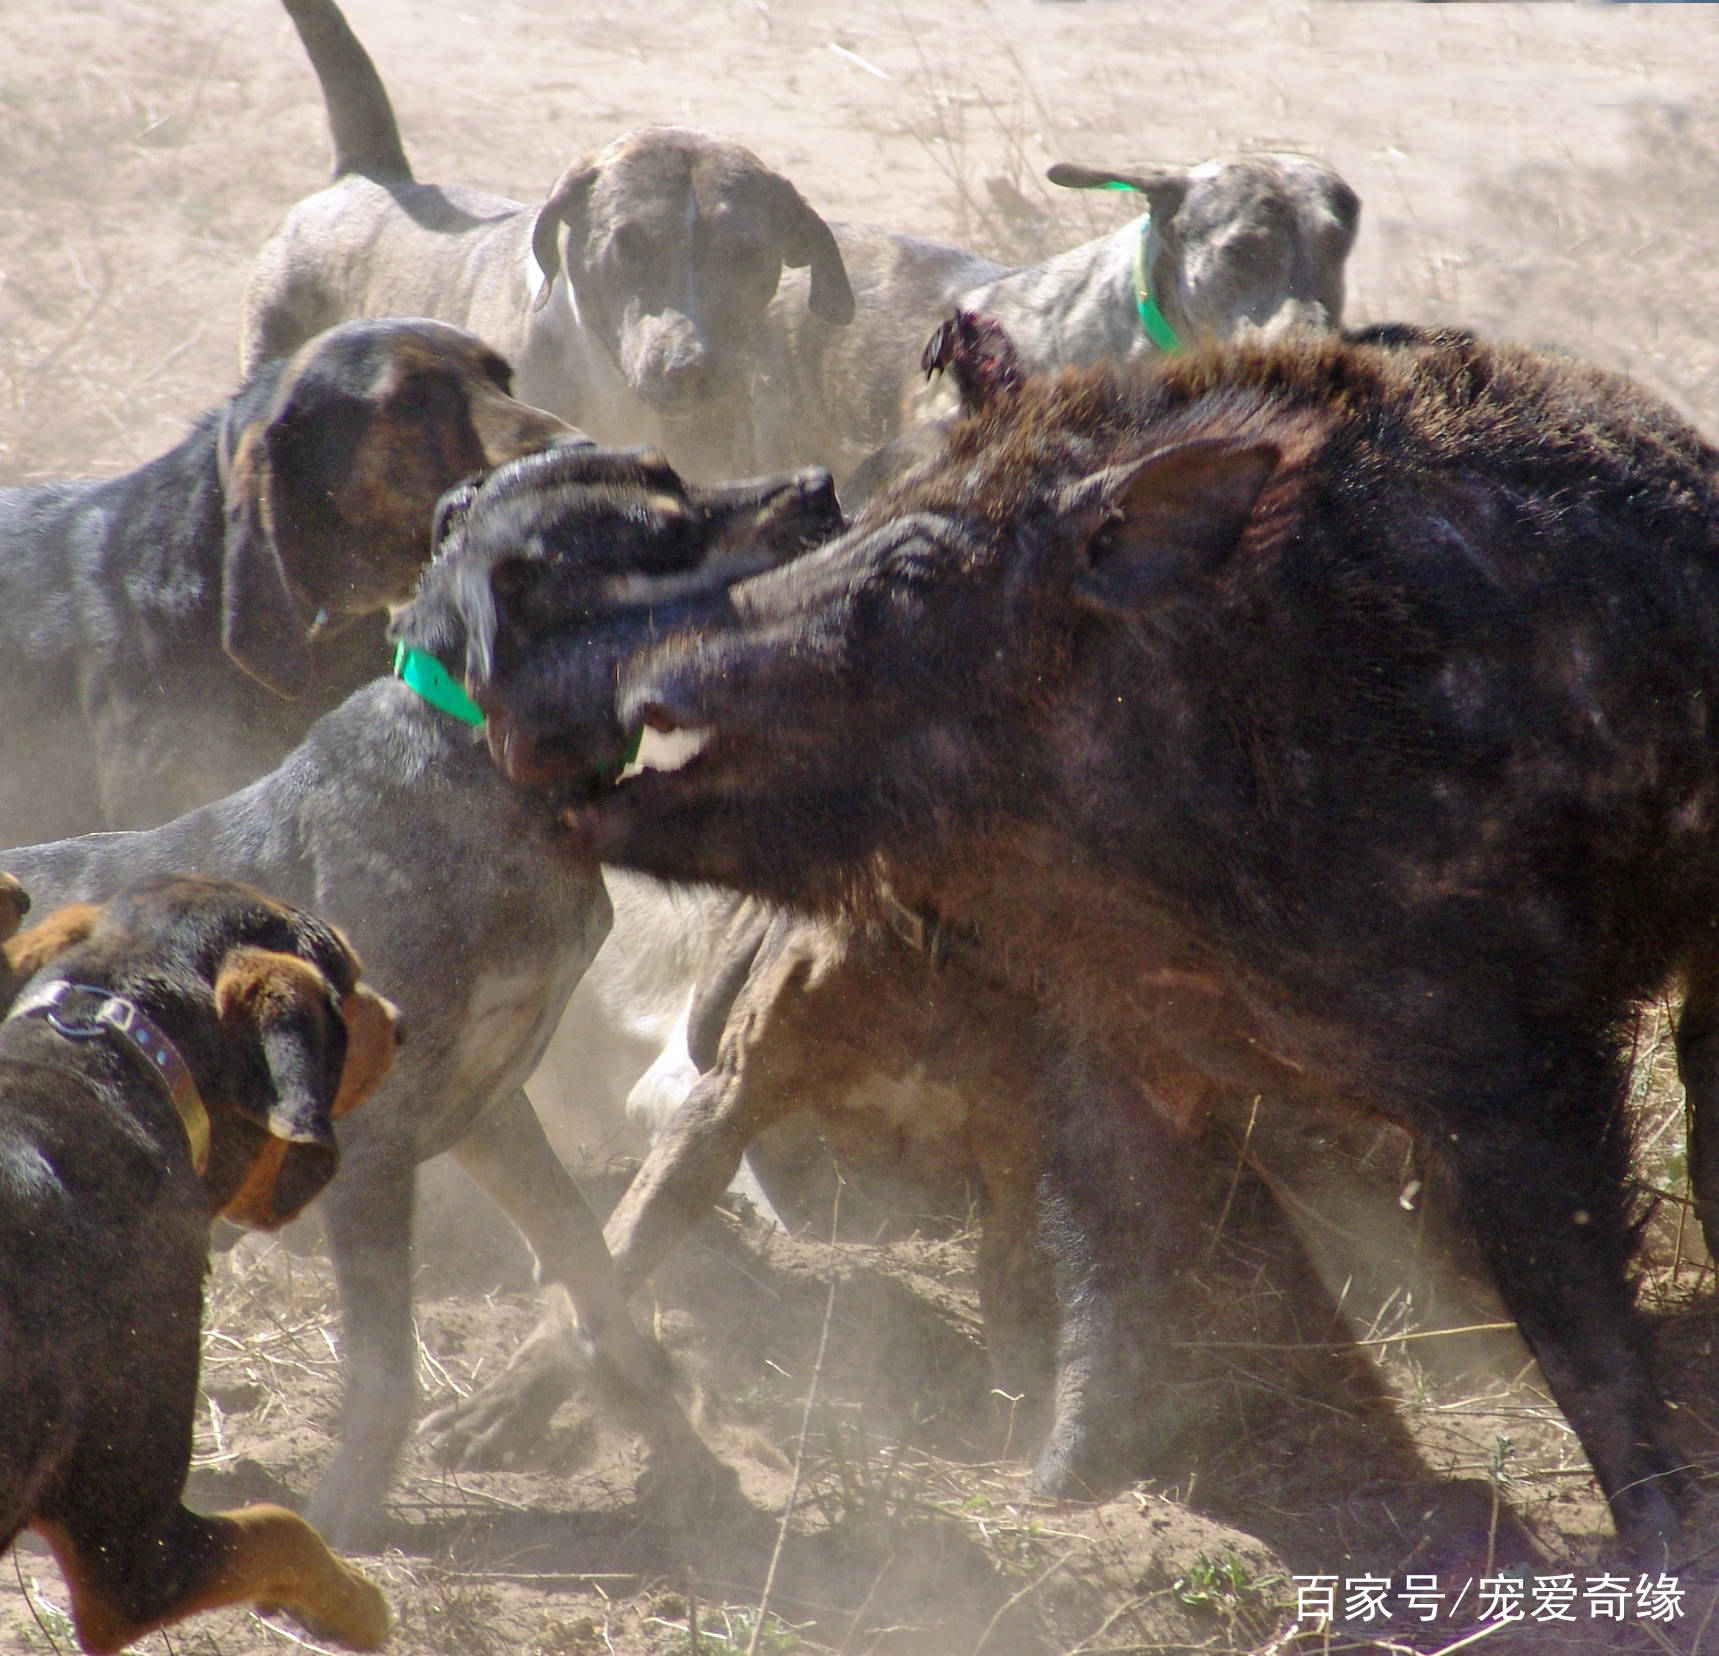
1339	715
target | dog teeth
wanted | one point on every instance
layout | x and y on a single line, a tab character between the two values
665	750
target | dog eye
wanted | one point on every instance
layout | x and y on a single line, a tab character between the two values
629	245
421	395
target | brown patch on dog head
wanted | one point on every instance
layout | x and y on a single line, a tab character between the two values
30	951
265	986
438	411
14	905
253	1203
373	1034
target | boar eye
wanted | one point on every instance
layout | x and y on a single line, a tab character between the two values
914	572
1103	541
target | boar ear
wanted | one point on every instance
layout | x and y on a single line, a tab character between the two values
1156	524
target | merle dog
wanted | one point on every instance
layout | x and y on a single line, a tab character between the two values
1239	246
457	887
183	1051
629	301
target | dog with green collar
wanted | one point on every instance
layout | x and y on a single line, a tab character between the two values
458	890
1239	245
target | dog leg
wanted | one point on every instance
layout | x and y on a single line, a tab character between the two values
513	1162
368	1212
124	1586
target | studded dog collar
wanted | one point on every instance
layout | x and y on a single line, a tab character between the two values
81	1012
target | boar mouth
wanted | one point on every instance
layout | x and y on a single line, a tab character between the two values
670	765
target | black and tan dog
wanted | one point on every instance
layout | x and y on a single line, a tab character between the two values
390	819
181	1052
153	626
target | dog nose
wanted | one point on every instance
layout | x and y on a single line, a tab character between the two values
1292	316
686	371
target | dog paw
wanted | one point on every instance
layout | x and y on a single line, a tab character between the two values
505	1424
691	1489
355	1616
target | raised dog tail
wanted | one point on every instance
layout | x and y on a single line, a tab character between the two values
360	118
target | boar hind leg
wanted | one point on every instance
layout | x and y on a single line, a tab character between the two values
1542	1166
1698	1064
1119	1227
1017	1296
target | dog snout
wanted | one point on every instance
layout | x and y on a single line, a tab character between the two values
509	429
1292	316
668	362
686	370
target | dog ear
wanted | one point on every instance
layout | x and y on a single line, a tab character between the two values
1165	187
565	206
28	952
807	240
262	628
14	905
373	1034
287	1004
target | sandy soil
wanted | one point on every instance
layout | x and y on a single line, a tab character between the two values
1542	171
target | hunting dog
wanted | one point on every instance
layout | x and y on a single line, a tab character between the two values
169	634
1240	246
391	819
181	1052
628	302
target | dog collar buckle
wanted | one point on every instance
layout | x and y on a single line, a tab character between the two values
81	1012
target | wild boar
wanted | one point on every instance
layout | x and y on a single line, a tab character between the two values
1336	714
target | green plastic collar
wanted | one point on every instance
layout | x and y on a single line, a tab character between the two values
1152	317
422	672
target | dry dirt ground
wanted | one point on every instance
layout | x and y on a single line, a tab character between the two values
1540	171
